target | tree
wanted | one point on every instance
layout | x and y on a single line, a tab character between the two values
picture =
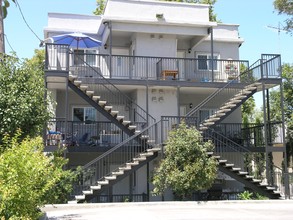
186	167
275	100
28	178
285	7
22	91
100	7
213	17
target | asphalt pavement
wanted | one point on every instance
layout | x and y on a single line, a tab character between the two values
212	210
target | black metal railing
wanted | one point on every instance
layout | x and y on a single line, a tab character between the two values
60	57
90	133
91	76
150	137
243	158
259	70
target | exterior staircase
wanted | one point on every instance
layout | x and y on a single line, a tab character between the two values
143	146
101	105
117	175
229	106
245	178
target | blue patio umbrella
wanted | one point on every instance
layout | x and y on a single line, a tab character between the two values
76	40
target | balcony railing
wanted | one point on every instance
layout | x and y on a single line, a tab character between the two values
61	58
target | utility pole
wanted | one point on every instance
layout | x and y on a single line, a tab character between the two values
2	45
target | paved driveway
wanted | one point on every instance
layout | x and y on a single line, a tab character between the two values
222	210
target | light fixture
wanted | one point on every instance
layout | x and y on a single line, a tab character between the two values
190	105
189	50
159	16
105	46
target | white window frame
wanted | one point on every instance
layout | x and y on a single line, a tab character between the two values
85	56
208	61
84	107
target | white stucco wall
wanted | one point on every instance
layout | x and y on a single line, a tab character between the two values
156	45
147	10
163	102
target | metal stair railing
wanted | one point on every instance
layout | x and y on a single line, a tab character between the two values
153	136
267	67
94	79
236	154
119	155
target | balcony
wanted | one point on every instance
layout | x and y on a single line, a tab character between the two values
60	59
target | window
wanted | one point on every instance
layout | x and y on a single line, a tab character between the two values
83	114
205	62
88	56
205	113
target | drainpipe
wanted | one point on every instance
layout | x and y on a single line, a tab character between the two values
211	32
110	42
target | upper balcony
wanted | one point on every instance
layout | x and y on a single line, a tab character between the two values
60	59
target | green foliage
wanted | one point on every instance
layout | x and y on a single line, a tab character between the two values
5	6
22	91
247	195
100	7
27	176
275	100
186	167
285	7
248	109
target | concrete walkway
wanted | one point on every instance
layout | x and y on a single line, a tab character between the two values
212	210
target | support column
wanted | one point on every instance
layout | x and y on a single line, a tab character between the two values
285	173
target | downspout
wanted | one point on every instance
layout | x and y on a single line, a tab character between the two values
110	42
211	32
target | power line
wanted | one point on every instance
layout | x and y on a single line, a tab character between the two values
6	38
17	4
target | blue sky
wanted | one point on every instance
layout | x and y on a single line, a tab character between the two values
253	16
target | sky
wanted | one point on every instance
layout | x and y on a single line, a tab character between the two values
253	16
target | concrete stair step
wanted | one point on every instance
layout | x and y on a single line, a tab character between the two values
155	149
222	161
120	117
96	98
146	154
236	169
229	165
77	82
256	181
83	88
118	173
113	177
108	107
132	127
114	113
72	77
103	182
125	168
96	187
102	103
87	192
80	197
90	93
125	123
139	159
242	173
134	163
